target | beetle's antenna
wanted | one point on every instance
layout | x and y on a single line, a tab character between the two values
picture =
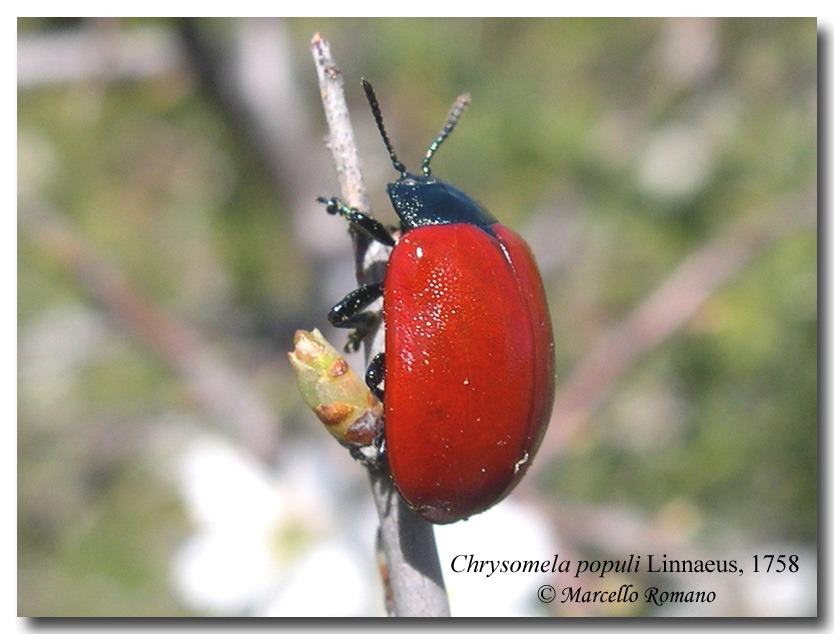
452	120
369	93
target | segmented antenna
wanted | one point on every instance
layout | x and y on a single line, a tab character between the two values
369	93
454	116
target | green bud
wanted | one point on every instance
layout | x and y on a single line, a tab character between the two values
341	400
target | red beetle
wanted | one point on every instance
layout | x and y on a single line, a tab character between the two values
469	365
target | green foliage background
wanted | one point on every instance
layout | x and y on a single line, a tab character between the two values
721	418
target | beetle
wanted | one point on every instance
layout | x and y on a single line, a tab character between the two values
468	367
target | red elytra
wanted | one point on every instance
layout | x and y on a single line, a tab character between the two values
469	367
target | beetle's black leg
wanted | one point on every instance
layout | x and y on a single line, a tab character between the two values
350	313
376	375
371	226
346	313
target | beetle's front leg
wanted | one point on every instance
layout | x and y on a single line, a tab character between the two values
350	313
371	226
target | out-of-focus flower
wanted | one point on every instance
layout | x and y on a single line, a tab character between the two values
676	162
270	544
509	532
792	592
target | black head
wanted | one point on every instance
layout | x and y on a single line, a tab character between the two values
425	200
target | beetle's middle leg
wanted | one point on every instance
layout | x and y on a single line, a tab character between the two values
350	313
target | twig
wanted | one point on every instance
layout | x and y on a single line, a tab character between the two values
414	575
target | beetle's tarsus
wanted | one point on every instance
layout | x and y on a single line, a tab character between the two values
355	339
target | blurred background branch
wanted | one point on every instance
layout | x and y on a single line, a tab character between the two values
101	51
223	392
667	309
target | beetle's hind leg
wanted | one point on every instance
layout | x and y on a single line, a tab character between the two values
351	313
368	224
